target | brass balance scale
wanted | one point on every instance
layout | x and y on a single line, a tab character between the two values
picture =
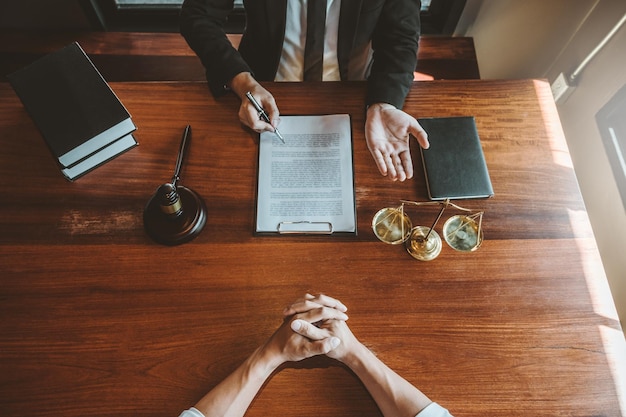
462	232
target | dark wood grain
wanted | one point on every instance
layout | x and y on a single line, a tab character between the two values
98	320
138	56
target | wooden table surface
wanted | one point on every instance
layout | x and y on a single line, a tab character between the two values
149	56
97	320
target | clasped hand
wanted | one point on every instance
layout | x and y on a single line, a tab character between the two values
313	325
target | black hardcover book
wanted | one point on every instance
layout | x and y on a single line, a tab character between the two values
74	108
103	155
454	164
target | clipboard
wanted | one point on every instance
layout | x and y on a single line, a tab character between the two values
306	227
305	186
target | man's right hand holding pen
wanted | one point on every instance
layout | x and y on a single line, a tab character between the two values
243	83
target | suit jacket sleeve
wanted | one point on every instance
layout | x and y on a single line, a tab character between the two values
394	41
202	26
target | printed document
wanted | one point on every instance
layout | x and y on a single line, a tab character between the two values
306	185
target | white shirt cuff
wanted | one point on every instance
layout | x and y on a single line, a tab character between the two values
431	410
192	412
434	410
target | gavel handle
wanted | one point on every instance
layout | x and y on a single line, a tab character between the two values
182	152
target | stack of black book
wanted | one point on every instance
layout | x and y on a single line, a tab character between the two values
81	119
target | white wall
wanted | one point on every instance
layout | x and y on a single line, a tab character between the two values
539	39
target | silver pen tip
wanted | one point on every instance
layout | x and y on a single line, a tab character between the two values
279	135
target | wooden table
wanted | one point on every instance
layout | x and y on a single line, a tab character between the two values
97	320
149	56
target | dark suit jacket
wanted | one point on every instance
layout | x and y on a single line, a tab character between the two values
391	25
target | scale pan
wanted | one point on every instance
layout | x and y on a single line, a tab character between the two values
462	233
391	225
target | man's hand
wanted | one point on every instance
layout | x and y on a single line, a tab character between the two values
309	302
287	345
325	329
330	329
248	115
387	132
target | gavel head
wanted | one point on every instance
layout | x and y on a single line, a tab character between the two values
174	215
169	200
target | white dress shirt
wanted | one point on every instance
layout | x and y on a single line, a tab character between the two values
291	67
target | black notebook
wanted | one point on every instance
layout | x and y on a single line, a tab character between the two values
454	164
74	108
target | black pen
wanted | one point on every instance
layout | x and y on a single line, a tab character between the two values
262	114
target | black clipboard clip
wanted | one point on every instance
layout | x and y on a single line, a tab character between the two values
305	227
